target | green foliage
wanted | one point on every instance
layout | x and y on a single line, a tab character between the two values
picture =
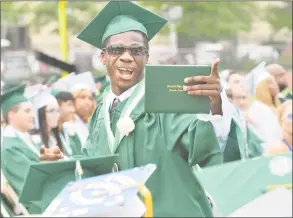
285	60
79	13
43	13
11	13
201	18
206	19
280	17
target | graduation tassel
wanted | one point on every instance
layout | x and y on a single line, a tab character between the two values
287	186
78	170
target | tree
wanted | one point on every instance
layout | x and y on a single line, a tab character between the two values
12	12
279	17
208	19
79	13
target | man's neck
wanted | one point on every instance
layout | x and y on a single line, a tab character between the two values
124	95
118	92
18	129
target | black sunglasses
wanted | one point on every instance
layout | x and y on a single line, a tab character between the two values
134	50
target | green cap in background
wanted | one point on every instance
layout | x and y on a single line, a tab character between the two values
51	80
55	91
12	97
100	79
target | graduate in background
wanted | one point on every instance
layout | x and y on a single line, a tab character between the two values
83	89
174	142
67	132
286	94
47	122
279	74
47	114
18	151
234	80
267	93
284	144
259	117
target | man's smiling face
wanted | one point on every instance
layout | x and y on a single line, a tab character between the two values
125	66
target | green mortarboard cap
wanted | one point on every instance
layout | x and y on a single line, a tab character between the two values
119	17
100	78
234	184
45	180
8	86
104	86
55	91
51	80
12	97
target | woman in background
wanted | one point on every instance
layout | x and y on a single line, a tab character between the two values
267	92
259	117
67	132
47	114
83	89
84	107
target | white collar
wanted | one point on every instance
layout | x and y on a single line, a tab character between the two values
79	120
123	96
10	131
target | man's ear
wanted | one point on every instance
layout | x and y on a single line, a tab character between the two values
102	58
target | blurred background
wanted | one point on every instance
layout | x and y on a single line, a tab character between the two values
35	35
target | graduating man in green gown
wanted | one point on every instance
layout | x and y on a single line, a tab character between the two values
174	142
17	149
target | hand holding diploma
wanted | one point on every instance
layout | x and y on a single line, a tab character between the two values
211	88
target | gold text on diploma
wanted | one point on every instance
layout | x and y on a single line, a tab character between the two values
175	88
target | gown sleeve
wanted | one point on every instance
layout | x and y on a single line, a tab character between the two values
88	145
75	145
15	165
196	137
255	144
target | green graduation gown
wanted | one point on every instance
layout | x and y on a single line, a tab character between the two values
238	148
242	142
71	143
254	143
16	158
175	143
